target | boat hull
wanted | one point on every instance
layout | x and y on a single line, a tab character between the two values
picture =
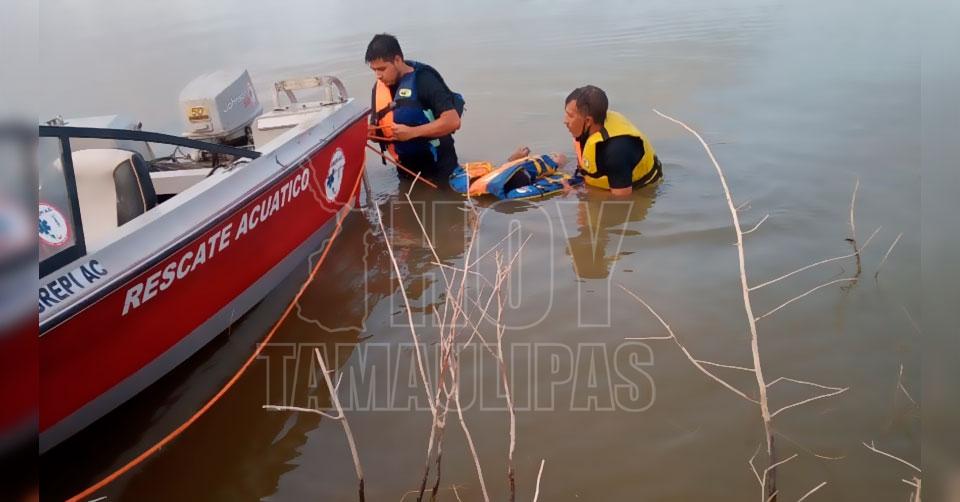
139	328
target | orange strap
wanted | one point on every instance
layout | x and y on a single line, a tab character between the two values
579	151
383	115
233	380
383	102
374	137
400	166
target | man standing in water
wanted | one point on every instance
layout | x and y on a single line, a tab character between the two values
612	153
414	112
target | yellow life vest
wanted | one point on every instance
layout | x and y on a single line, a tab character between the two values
615	125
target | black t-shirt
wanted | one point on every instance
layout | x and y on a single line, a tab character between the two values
434	95
616	158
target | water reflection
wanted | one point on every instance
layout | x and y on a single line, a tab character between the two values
737	71
602	223
261	445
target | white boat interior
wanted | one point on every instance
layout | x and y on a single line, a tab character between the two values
119	180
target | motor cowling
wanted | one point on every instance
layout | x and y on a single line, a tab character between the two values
220	107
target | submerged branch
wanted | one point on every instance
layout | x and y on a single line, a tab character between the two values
821	262
876	275
811	492
692	359
853	226
271	407
872	447
755	227
788	302
815	398
536	494
747	304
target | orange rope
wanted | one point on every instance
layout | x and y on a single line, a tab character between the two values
233	380
394	162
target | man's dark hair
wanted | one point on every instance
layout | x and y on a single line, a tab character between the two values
383	46
591	101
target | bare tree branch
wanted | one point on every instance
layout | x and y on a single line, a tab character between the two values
271	407
745	290
887	255
406	301
904	389
821	262
685	351
755	227
711	363
853	225
916	327
805	401
766	474
811	492
344	422
536	493
824	285
874	449
808	450
754	468
802	382
473	448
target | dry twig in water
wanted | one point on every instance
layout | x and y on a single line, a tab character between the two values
872	447
454	313
536	494
853	226
876	275
915	483
340	417
902	388
767	481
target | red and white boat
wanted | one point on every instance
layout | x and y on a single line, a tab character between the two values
146	258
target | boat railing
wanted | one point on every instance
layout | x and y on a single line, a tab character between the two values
325	82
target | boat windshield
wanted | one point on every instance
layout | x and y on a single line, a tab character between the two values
57	226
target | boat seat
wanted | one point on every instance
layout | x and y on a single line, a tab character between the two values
113	187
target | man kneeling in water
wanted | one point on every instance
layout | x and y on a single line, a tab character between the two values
522	176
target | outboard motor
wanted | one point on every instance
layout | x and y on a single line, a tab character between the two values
220	107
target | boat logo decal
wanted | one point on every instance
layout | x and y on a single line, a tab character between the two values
53	228
335	174
247	98
405	93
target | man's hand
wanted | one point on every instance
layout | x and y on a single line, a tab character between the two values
446	123
404	132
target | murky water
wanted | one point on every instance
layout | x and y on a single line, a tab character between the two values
797	99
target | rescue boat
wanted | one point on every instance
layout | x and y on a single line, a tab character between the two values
151	244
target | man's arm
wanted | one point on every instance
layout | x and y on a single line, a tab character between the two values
433	95
447	123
